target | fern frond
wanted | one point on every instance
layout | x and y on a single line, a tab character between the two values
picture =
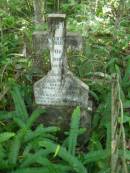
27	149
74	131
19	122
57	167
51	129
4	165
40	132
33	158
33	170
15	147
95	156
34	117
6	136
7	115
2	152
43	161
65	155
66	141
19	104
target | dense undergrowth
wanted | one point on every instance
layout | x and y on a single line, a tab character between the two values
34	148
26	146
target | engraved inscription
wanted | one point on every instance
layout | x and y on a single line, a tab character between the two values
60	87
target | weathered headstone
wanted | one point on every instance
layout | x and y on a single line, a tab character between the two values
60	87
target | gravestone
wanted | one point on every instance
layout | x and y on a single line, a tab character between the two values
60	88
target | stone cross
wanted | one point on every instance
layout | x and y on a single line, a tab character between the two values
73	41
60	87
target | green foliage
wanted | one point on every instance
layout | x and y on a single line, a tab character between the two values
105	27
15	147
62	152
74	131
95	156
34	117
33	170
6	136
24	159
19	104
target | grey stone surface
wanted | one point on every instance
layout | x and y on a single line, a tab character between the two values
60	91
74	41
60	87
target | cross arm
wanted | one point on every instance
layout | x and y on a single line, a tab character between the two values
40	41
74	41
